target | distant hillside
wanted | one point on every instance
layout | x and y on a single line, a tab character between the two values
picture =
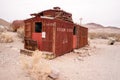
112	27
4	23
93	27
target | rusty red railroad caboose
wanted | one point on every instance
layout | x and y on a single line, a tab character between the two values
54	31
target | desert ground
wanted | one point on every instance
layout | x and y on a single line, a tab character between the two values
97	61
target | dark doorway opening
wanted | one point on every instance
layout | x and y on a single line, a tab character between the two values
74	31
38	27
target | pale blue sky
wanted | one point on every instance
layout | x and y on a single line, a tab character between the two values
105	12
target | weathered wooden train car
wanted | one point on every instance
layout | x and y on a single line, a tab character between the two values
54	31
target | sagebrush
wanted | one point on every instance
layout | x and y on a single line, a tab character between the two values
36	66
116	36
5	37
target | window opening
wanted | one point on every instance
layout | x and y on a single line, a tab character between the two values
38	27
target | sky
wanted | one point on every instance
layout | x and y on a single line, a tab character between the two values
104	12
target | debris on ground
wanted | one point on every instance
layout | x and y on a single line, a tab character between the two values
84	52
54	73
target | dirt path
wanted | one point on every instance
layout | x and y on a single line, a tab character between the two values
104	65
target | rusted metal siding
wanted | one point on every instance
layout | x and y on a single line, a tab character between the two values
28	30
28	34
64	38
45	44
74	41
48	30
82	36
86	36
37	37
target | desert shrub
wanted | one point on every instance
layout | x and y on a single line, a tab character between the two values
20	33
5	38
36	66
111	41
98	35
2	29
116	36
93	35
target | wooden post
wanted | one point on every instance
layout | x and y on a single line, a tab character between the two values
54	39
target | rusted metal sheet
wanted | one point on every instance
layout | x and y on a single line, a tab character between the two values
82	36
37	37
64	38
47	32
74	41
28	29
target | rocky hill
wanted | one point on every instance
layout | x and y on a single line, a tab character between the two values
93	27
5	26
4	23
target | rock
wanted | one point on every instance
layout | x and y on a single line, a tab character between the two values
80	58
111	41
77	51
54	73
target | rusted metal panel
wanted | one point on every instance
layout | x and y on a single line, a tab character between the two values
74	41
28	30
82	36
86	37
47	31
37	37
64	38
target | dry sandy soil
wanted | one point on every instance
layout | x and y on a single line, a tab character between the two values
10	68
103	62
